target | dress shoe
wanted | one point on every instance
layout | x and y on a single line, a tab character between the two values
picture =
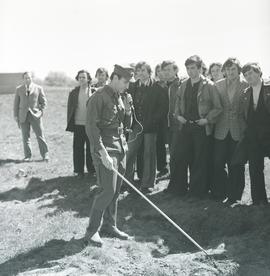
27	159
80	175
94	240
163	172
146	190
46	157
114	232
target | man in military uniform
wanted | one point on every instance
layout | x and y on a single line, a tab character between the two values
107	117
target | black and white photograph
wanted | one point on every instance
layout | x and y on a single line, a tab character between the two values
134	138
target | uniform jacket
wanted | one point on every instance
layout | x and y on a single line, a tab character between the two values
71	107
35	103
229	119
208	100
105	121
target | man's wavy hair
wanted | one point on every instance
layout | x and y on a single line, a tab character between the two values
89	79
101	70
252	66
170	62
195	59
140	64
230	62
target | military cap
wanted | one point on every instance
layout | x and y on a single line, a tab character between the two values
125	72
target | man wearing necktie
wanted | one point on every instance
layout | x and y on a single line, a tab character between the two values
255	114
29	104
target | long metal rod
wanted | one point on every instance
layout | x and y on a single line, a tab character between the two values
162	213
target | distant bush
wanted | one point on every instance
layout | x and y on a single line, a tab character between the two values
56	78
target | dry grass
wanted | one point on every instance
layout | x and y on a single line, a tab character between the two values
44	214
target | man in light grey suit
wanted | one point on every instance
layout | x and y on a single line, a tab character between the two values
29	103
228	184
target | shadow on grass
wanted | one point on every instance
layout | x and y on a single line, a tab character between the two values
67	193
7	161
208	222
42	257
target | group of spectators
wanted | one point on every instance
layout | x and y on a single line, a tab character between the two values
198	131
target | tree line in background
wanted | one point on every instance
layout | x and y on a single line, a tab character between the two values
56	78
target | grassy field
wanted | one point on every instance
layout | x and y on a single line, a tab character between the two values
44	213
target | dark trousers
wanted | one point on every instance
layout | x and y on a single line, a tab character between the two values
230	183
148	140
256	171
80	139
173	136
190	151
211	148
139	162
106	200
161	149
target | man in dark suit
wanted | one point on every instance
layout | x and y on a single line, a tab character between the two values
255	113
228	183
29	105
147	99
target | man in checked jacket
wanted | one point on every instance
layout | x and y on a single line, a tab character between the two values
229	183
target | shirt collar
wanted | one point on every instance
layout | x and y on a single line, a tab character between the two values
30	87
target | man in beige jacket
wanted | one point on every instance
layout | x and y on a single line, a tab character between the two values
29	104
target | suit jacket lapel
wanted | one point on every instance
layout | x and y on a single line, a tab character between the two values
201	85
23	89
182	103
247	101
225	93
32	89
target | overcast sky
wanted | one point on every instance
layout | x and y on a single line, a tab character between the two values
68	35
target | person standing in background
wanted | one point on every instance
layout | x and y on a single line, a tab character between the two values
28	109
76	118
147	101
170	70
255	113
197	109
215	72
102	77
162	133
228	183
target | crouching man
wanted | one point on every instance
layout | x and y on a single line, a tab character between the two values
107	117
